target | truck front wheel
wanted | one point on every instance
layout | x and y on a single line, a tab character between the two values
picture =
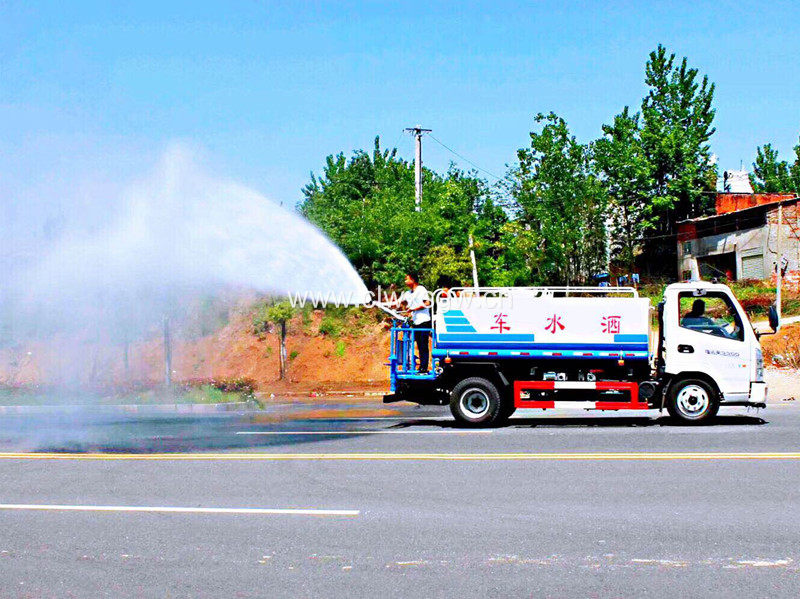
692	401
476	402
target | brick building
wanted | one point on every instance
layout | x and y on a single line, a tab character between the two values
740	240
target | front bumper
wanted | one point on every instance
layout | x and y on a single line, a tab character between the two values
756	398
758	394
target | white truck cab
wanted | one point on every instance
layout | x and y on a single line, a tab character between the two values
707	345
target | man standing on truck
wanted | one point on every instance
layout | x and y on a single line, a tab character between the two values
418	304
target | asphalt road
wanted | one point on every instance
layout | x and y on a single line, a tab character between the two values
564	506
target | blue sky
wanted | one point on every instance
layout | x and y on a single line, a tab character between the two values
91	93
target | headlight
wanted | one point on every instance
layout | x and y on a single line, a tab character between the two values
759	360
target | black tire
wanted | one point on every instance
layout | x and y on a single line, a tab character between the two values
692	401
476	402
507	408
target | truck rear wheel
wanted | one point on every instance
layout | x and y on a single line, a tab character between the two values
692	401
476	402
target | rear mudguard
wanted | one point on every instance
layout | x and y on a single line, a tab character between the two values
423	392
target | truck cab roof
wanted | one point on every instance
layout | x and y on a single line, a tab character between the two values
691	285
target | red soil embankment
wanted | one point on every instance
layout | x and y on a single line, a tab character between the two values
349	361
783	348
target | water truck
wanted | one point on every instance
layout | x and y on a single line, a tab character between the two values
497	349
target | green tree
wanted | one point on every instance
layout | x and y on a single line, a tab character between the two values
280	314
677	118
627	174
360	203
519	256
794	171
771	175
443	264
366	205
562	203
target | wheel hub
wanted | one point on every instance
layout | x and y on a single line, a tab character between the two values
474	403
693	401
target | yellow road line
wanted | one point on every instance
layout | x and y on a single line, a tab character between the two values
572	456
178	510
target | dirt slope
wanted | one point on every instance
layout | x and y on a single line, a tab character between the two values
343	362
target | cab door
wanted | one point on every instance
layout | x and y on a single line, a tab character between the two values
709	337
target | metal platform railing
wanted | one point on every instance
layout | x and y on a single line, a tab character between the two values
402	360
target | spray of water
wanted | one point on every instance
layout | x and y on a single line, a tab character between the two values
110	274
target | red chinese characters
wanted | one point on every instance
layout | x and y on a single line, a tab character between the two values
553	324
502	325
611	324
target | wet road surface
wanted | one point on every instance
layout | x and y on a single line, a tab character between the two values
99	503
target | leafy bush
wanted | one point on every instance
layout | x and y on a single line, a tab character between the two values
212	394
270	313
340	347
791	305
281	312
348	320
261	321
757	305
331	326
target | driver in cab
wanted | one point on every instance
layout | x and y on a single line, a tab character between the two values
696	318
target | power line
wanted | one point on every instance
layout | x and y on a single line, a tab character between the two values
464	158
396	144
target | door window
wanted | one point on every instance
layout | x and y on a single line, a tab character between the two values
712	314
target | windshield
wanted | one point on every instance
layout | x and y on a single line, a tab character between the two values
713	314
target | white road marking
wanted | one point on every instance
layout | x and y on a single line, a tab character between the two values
180	510
358	432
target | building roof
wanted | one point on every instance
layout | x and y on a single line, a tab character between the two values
731	202
739	220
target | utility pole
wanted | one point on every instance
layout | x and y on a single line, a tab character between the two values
418	133
167	353
474	263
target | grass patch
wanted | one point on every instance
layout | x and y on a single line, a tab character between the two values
210	394
352	321
331	326
203	391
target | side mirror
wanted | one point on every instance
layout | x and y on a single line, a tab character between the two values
773	318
